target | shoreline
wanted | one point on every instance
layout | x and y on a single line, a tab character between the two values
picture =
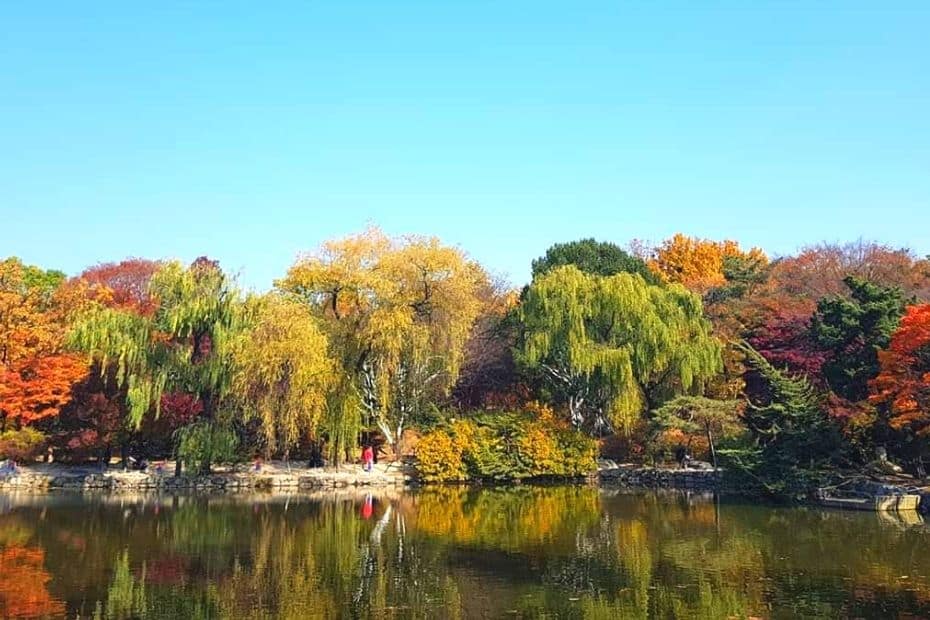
45	478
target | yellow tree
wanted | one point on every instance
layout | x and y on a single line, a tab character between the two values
398	313
283	374
699	264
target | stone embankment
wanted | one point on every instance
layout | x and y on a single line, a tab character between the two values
42	478
611	475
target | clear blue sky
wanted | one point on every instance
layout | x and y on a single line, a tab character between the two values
249	132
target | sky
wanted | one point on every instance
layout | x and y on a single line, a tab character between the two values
250	131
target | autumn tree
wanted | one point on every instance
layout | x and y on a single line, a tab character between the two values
398	313
127	282
489	374
182	346
283	373
852	330
819	271
613	347
36	374
600	258
703	264
902	387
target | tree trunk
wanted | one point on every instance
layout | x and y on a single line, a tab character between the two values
713	452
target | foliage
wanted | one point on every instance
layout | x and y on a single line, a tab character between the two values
791	439
600	258
36	376
283	375
613	347
504	446
21	445
703	264
398	314
38	388
184	345
696	415
902	387
819	271
439	457
205	442
852	330
785	340
127	282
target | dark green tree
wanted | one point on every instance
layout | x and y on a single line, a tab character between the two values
852	330
599	258
792	438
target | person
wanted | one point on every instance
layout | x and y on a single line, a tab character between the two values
681	455
368	458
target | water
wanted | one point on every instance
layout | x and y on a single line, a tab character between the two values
560	552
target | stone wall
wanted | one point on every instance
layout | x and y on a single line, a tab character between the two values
657	478
230	482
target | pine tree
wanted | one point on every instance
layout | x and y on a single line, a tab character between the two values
792	436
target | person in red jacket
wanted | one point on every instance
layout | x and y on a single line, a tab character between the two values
368	458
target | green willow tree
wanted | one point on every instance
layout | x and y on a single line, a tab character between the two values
183	346
614	347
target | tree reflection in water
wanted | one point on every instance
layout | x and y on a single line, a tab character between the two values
454	553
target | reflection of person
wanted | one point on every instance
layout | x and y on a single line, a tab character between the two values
367	507
368	457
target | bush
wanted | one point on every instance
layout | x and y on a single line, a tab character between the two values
504	446
203	443
21	445
439	458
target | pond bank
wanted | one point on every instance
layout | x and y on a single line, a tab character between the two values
272	476
710	480
637	476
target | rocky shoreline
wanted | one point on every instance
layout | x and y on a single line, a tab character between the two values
40	479
663	478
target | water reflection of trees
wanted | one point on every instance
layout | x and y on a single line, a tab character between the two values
456	552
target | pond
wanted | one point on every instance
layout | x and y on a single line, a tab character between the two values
521	552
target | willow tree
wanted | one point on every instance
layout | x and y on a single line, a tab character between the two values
283	373
182	346
613	347
398	313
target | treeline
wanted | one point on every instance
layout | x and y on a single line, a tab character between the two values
784	368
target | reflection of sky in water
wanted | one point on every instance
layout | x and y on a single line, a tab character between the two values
447	552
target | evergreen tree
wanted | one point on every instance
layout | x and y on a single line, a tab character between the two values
852	330
599	258
792	438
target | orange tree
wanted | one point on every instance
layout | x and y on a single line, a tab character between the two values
902	387
36	374
703	264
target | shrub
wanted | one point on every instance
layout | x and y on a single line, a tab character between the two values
505	446
439	458
203	443
21	445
